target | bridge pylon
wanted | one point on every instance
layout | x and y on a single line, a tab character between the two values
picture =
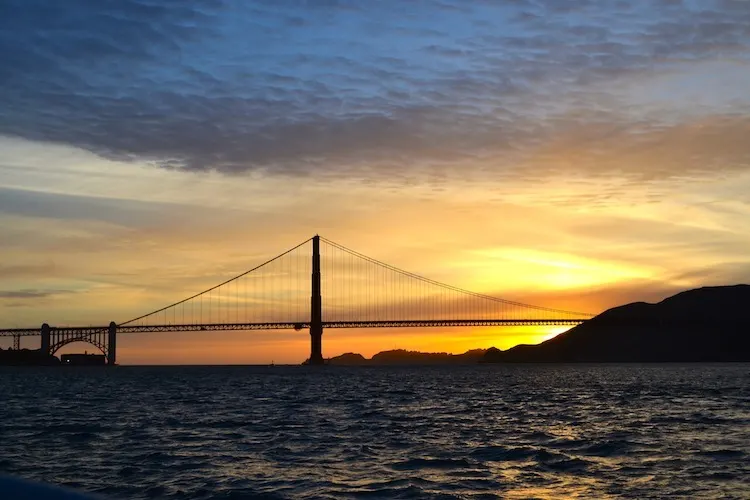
46	337
316	308
112	343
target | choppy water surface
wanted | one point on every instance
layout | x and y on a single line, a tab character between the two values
594	431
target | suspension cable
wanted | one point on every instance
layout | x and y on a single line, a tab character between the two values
217	286
446	286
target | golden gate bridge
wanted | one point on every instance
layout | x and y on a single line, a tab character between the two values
316	285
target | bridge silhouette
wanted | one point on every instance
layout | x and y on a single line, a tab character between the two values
287	291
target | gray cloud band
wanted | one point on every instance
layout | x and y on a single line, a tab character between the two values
282	89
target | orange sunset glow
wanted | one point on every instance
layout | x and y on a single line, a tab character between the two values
155	237
135	238
503	175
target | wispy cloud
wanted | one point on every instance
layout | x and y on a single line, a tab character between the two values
31	294
26	270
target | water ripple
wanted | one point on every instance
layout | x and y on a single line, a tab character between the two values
594	431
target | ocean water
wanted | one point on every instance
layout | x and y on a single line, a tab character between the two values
522	431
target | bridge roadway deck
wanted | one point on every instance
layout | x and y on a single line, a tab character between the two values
83	330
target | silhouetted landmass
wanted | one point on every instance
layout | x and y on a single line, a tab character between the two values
706	324
349	359
26	357
83	359
403	357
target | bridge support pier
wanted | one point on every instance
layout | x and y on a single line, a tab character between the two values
45	339
16	342
112	344
316	309
316	345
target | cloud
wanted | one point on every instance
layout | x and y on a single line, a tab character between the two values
32	294
332	88
26	270
720	274
26	203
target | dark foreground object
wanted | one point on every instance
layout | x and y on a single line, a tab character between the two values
706	324
18	489
83	359
26	357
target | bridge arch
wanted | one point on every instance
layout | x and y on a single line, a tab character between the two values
98	341
62	343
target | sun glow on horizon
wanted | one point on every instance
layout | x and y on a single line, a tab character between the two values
555	331
547	270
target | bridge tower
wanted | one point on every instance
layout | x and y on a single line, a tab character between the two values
112	343
45	339
316	308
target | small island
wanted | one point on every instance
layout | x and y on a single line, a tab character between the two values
404	357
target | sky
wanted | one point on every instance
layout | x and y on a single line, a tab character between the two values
572	154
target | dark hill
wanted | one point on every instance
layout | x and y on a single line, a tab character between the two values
349	359
706	324
403	357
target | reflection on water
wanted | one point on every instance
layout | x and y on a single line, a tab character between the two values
596	431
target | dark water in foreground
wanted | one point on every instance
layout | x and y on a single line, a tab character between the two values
561	431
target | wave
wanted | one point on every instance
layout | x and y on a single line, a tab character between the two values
431	463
